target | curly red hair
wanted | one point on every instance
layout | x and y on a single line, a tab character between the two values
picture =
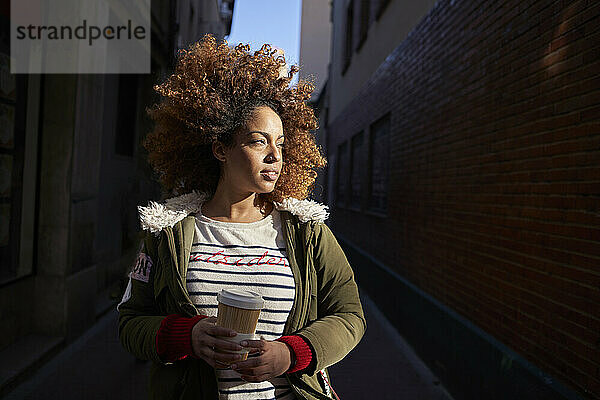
210	95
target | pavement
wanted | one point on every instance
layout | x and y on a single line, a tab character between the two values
382	366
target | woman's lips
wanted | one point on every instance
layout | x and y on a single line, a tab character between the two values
270	176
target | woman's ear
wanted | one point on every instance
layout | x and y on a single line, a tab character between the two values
218	150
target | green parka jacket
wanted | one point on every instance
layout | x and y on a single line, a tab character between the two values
326	311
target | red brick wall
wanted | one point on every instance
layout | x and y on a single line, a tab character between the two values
494	186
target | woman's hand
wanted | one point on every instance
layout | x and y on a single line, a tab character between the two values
204	343
275	358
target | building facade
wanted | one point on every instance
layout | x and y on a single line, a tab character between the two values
72	172
463	154
315	54
315	43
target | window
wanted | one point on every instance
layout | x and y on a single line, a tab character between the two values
127	113
379	164
349	26
331	179
357	170
342	175
365	6
18	152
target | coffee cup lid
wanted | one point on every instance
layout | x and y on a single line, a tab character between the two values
241	299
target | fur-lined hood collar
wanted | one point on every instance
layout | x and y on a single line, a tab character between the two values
157	216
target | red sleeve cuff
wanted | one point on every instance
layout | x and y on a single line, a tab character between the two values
301	350
174	337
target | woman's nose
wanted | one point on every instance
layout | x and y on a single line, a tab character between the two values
275	153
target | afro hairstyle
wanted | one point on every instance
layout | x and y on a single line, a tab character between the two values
210	95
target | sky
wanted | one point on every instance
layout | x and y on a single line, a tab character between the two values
276	22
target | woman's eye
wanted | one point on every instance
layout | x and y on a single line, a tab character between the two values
261	141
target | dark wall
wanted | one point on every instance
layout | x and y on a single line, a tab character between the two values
494	173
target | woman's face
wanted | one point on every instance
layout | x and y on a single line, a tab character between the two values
255	161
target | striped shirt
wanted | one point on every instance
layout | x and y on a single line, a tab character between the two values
250	256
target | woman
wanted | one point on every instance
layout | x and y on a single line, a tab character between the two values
233	136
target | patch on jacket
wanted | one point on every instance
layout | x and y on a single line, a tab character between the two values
141	270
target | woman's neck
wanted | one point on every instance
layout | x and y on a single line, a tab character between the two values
235	208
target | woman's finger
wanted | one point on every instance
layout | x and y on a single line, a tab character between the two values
256	372
228	358
257	344
212	356
249	363
215	330
224	344
216	359
219	364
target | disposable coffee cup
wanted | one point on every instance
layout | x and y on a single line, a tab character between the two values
239	310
